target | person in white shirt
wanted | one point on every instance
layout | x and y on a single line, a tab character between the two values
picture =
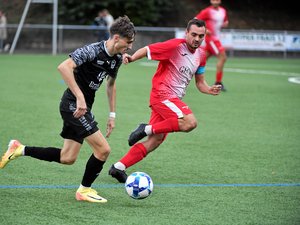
3	30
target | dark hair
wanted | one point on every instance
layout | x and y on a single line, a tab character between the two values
124	27
198	23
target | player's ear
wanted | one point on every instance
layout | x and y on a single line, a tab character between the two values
116	37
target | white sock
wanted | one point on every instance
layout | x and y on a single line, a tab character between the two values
23	150
120	166
148	129
81	186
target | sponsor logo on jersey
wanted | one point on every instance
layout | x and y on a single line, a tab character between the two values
101	76
99	62
113	64
185	70
94	86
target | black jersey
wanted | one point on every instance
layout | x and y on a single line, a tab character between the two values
93	66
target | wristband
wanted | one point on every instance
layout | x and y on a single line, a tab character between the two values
112	115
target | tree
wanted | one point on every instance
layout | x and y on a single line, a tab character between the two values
142	13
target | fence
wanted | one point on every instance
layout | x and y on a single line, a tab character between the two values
37	38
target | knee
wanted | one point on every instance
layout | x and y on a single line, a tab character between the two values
224	57
106	151
67	161
103	153
189	126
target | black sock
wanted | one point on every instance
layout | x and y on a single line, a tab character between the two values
92	170
48	154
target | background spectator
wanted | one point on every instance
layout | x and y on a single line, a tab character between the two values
3	30
108	18
102	25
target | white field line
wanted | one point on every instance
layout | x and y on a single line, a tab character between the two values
242	71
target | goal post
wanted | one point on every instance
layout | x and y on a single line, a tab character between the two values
54	24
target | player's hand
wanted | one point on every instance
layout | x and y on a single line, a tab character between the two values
215	89
110	126
225	24
81	108
126	58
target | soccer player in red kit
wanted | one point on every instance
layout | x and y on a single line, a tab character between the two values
215	18
179	61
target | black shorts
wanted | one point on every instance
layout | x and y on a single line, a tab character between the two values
76	128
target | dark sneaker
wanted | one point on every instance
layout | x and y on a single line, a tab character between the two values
120	175
138	134
223	87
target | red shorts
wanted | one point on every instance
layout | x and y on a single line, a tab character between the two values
173	107
214	47
169	108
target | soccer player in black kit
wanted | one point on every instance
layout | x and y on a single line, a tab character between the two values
83	72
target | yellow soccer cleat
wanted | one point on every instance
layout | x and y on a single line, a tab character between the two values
15	149
89	194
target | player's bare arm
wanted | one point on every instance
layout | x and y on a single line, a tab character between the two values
66	69
141	53
205	88
111	95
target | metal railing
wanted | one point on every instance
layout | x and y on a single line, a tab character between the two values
37	38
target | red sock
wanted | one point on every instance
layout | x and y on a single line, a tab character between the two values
135	154
166	126
219	76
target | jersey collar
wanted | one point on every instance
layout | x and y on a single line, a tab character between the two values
106	49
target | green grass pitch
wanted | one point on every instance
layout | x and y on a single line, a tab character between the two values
240	166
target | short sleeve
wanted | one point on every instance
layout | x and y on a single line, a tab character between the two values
163	50
202	15
85	54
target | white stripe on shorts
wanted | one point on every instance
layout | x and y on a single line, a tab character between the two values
214	47
173	108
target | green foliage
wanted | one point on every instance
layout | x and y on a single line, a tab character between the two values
142	13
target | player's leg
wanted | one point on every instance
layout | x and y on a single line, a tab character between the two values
215	48
178	117
79	129
66	155
93	168
142	149
221	57
135	154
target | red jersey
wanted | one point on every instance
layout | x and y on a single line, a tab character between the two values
214	19
176	68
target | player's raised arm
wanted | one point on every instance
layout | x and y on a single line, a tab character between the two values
140	53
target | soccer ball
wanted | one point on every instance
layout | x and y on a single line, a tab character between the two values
139	185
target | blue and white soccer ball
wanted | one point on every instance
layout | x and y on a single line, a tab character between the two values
139	185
